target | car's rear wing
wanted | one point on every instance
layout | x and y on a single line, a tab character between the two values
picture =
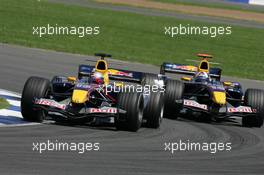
187	70
85	70
125	75
114	74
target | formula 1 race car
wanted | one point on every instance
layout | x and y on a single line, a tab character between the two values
92	95
204	95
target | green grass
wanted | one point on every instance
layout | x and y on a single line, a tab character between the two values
130	36
3	104
214	5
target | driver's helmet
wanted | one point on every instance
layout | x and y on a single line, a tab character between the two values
202	77
97	78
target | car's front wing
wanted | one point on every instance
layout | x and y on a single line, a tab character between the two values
66	110
226	110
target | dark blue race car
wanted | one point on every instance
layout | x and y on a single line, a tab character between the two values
203	94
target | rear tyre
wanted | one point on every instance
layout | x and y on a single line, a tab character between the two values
255	99
133	104
153	112
148	79
35	87
174	91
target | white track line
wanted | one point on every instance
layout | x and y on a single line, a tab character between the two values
13	102
9	93
9	113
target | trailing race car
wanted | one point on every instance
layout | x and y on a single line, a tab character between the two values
91	95
205	96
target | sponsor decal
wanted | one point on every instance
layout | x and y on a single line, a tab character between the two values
218	87
241	109
184	67
195	104
51	103
83	86
124	74
103	110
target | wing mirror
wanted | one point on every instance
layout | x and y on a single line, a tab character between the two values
71	79
186	78
227	83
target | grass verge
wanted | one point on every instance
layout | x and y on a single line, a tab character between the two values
129	36
3	104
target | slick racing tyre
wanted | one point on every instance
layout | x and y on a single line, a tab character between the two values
132	103
255	99
153	112
174	91
162	69
148	79
252	121
35	87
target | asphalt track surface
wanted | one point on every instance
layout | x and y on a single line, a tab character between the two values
120	152
153	12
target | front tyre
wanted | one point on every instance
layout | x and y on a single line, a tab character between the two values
132	103
174	91
153	112
148	79
252	121
255	99
35	87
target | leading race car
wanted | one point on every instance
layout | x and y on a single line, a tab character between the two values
206	96
91	95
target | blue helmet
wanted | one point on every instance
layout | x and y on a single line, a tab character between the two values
202	77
